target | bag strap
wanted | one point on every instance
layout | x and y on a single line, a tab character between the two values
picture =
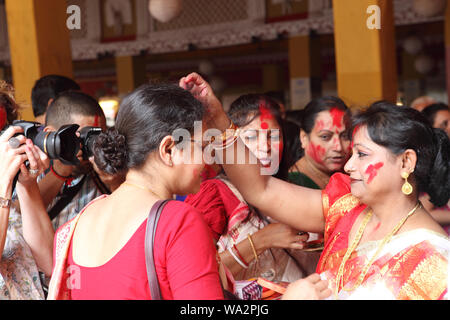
67	196
152	222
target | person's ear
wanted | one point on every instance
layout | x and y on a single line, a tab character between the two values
304	138
166	150
409	160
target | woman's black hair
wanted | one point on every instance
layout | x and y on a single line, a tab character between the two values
145	117
250	106
315	106
430	111
401	128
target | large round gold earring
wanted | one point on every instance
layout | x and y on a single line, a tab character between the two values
407	188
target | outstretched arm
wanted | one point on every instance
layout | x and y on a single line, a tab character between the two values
293	205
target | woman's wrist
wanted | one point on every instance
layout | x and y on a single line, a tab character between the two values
259	241
6	189
222	122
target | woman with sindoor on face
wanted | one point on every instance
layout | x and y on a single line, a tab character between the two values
250	245
324	137
380	243
100	254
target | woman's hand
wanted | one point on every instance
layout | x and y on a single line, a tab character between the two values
38	162
215	115
278	235
10	159
309	288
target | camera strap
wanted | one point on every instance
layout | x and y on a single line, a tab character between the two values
67	196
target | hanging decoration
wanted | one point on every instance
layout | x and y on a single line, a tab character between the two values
165	10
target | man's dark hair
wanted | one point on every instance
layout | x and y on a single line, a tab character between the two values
69	104
49	87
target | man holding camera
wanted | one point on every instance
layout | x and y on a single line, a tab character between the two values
67	188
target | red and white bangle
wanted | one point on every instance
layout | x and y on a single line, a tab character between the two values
234	255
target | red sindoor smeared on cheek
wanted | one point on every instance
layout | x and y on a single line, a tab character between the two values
337	115
316	152
372	171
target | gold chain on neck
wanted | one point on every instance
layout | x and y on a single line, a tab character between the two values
386	239
140	187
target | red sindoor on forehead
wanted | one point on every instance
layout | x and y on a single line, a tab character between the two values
337	115
96	120
354	132
265	115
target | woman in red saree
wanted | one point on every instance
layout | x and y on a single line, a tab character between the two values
380	243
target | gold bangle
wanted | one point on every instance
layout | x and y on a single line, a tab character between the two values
249	237
223	136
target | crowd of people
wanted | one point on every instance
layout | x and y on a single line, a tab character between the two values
319	203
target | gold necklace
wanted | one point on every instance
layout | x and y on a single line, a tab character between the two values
140	187
386	239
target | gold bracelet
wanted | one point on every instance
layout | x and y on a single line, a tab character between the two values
223	136
249	237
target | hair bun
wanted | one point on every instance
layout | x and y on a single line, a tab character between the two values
110	151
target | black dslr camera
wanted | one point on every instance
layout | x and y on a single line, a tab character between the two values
88	135
62	144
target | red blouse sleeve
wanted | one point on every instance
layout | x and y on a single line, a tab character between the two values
185	257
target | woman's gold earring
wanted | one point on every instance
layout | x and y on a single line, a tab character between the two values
407	188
